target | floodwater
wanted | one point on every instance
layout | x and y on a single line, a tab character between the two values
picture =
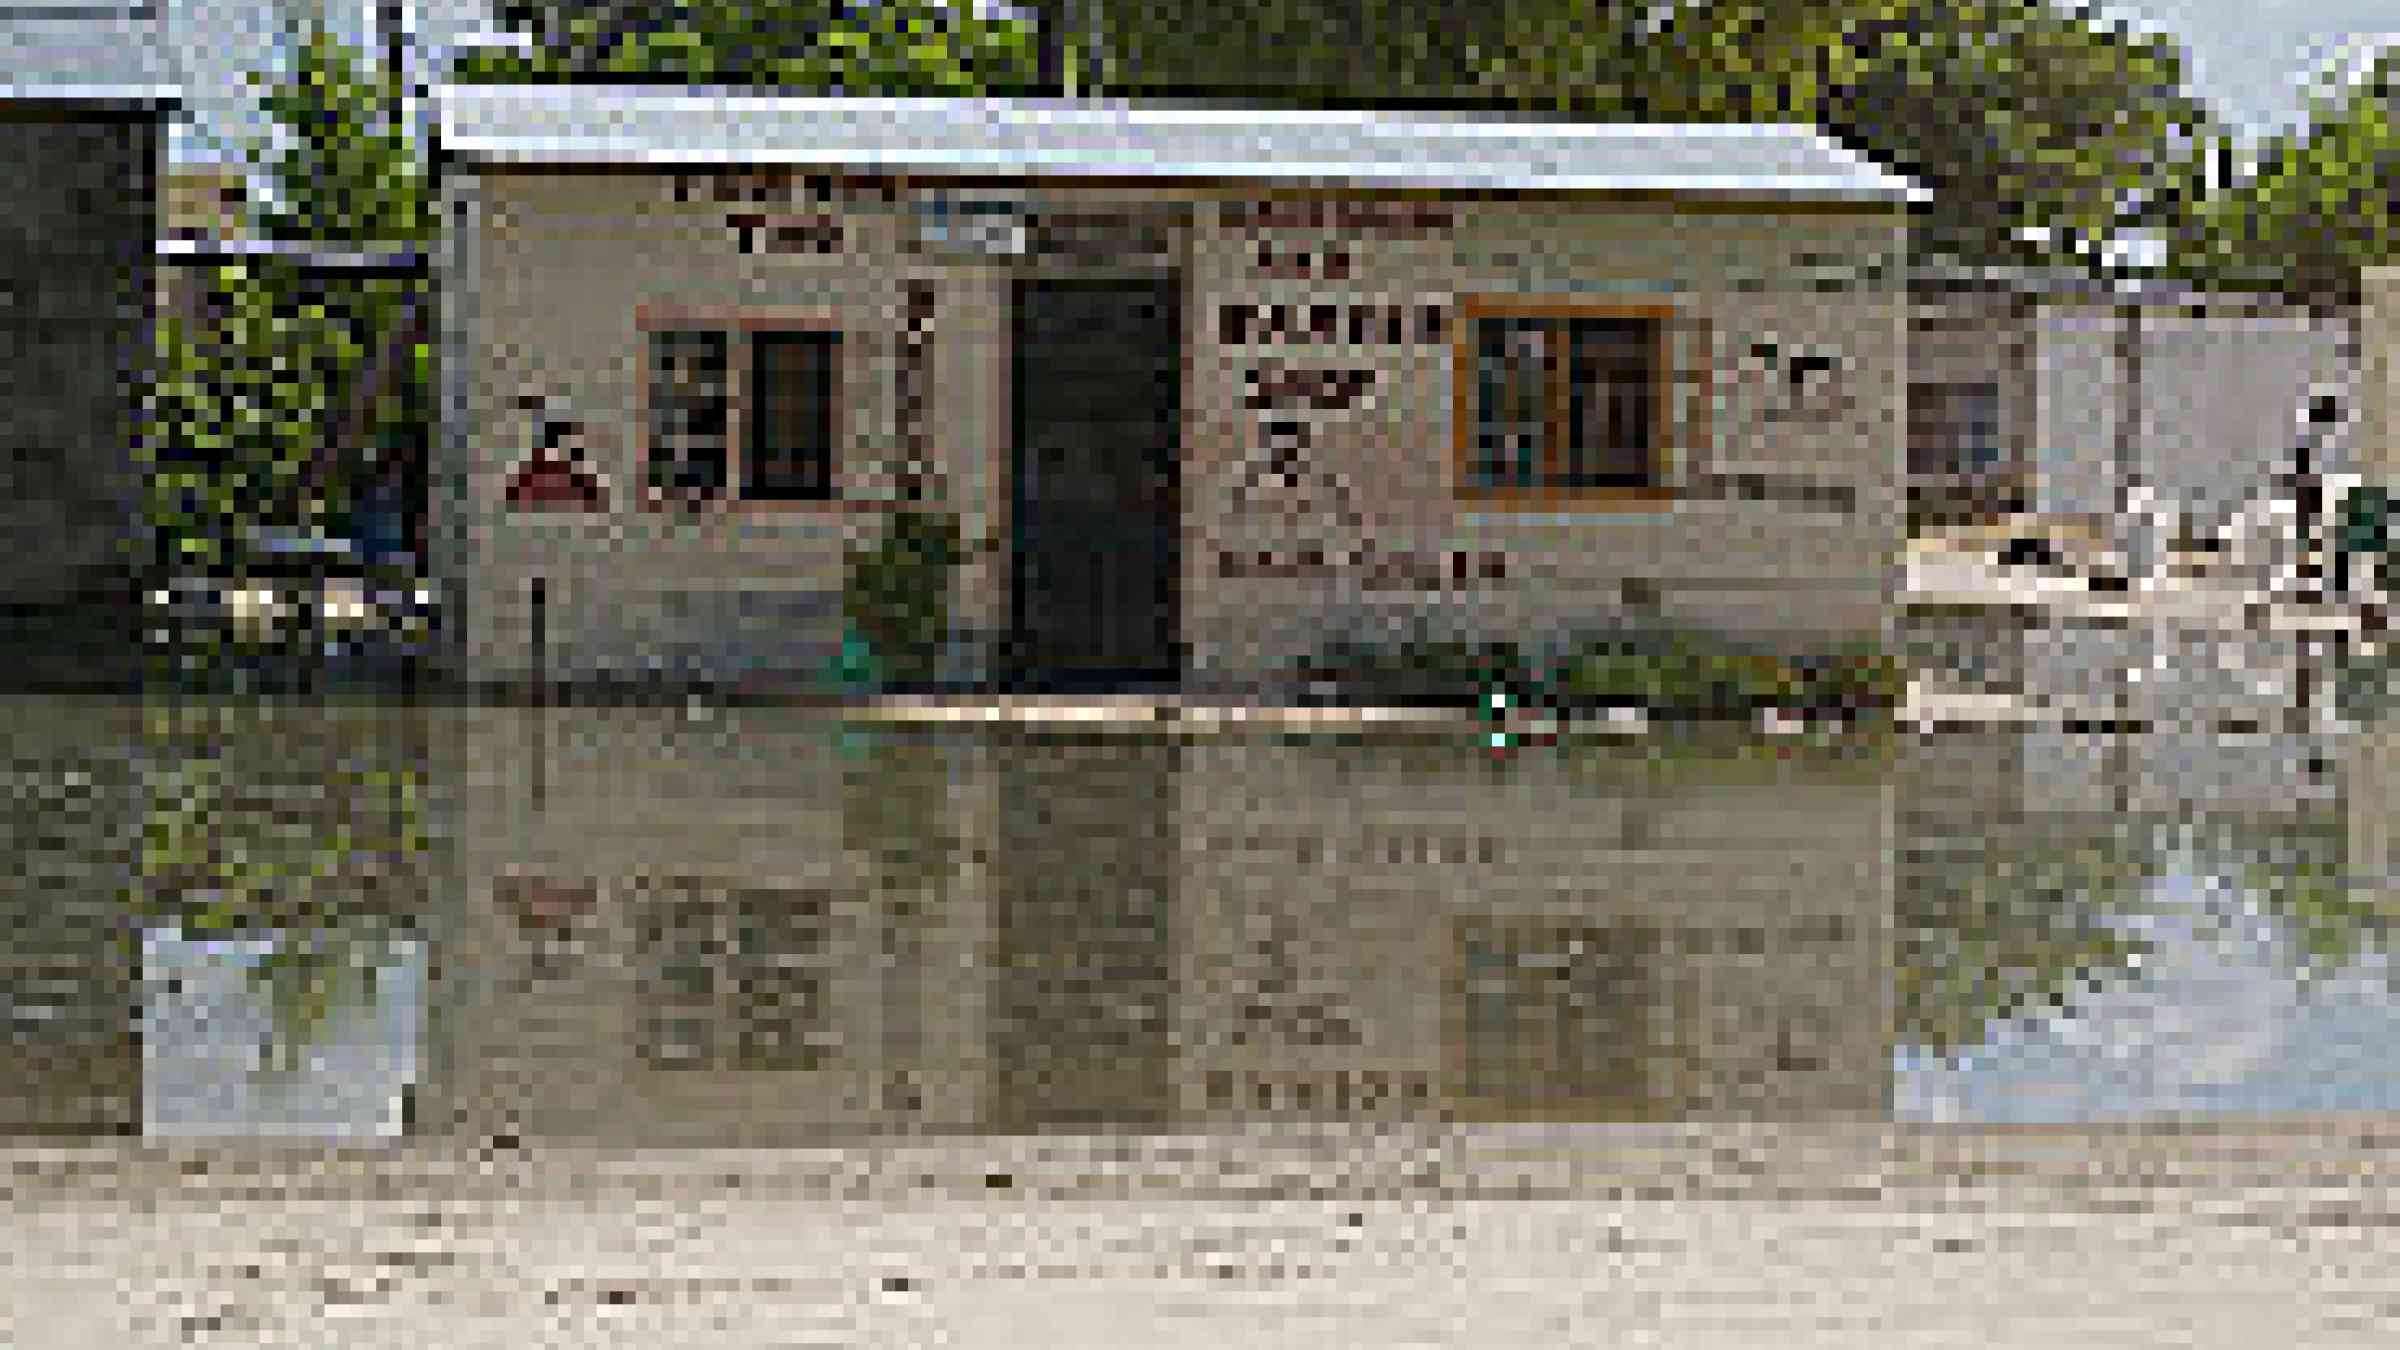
702	925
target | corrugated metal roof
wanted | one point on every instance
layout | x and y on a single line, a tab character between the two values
602	124
83	53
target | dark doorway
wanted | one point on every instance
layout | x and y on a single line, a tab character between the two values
1095	496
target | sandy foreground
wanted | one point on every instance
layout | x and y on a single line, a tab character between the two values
1507	1236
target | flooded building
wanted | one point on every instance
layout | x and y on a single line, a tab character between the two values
1203	389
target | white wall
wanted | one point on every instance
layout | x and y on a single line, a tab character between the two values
2218	401
2076	407
2222	395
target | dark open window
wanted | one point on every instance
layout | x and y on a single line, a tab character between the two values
1953	428
788	450
1563	404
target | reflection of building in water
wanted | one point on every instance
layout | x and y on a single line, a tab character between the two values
125	821
688	932
2371	796
69	811
1082	978
758	926
1591	936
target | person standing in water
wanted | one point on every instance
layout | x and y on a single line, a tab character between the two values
2319	417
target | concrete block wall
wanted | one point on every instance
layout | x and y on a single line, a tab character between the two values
76	294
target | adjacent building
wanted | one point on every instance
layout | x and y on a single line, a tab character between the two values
2055	395
84	102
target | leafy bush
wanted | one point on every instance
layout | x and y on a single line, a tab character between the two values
272	407
1421	667
1856	675
238	412
1669	673
896	594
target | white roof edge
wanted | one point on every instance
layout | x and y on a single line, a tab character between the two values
514	124
337	256
502	150
161	94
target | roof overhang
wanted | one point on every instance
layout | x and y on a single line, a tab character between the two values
640	126
131	97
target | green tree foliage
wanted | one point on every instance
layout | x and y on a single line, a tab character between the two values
2016	112
890	47
897	591
347	171
264	406
2018	116
2322	202
239	410
1301	51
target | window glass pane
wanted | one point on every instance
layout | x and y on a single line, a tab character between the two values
689	412
1511	398
790	449
1612	400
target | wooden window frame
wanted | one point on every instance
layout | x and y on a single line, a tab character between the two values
1466	343
740	325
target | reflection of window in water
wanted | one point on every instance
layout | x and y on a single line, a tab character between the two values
733	978
1549	1021
1283	1002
